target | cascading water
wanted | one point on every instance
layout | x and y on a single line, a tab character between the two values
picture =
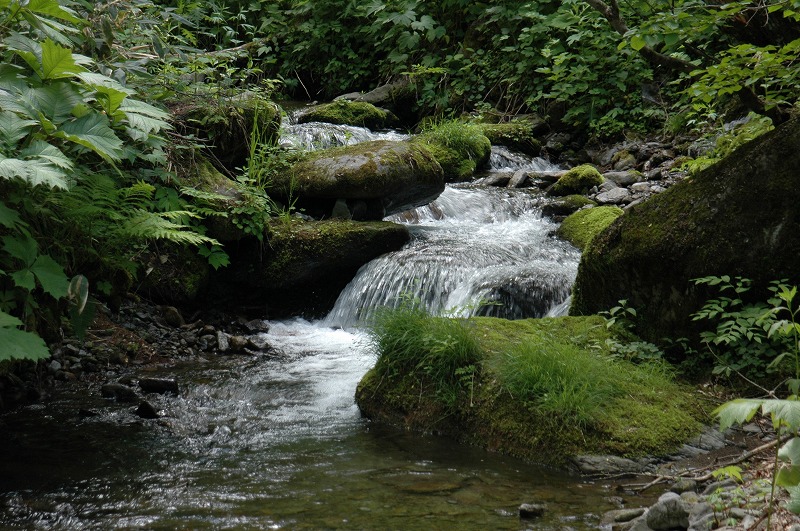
276	441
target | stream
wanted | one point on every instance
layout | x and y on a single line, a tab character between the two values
277	442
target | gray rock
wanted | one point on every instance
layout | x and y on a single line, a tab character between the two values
499	179
172	316
159	385
256	325
642	187
683	485
238	343
622	515
613	197
605	465
669	512
713	487
340	210
119	392
519	179
623	178
222	341
53	367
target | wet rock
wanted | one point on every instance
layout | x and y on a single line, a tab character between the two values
172	316
87	413
606	465
238	343
531	510
683	485
499	179
159	385
65	376
621	516
222	342
146	411
519	179
670	512
53	367
119	392
613	197
623	178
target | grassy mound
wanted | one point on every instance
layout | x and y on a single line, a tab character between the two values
540	389
460	148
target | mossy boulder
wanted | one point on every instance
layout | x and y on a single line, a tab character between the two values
227	125
374	179
647	414
578	180
564	206
740	217
345	112
460	148
580	227
515	135
303	265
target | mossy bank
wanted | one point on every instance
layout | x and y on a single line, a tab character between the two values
544	390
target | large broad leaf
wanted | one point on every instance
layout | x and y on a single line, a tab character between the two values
9	217
20	345
58	62
8	321
790	451
50	276
783	413
737	411
55	101
145	117
23	249
51	8
39	149
93	132
26	48
13	128
34	172
788	476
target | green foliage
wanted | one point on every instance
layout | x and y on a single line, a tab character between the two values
745	339
781	320
727	142
441	352
622	319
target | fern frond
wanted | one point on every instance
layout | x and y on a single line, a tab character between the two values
152	225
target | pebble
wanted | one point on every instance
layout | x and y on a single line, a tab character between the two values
531	510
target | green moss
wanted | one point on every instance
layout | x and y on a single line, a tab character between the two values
347	112
460	148
721	221
578	180
515	135
642	412
564	206
579	228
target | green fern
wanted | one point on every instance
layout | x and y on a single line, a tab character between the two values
158	226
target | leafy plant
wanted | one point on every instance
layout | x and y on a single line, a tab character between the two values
743	340
784	413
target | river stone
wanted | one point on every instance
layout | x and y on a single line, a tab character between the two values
119	392
605	465
159	385
613	197
306	263
347	112
146	410
394	176
519	179
623	178
739	217
669	512
622	515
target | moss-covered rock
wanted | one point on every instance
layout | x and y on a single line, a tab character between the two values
580	227
460	148
578	180
375	179
302	266
347	112
738	217
227	125
515	135
648	414
564	206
